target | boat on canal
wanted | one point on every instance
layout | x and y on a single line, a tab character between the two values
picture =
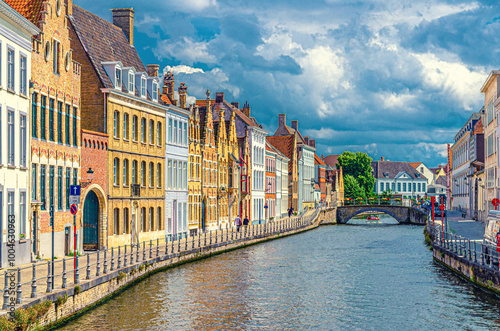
373	218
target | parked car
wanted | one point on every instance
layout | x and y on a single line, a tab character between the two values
437	212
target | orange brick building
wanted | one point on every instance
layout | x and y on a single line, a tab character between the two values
55	142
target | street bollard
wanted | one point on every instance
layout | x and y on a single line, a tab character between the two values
124	256
178	244
150	248
49	278
205	235
143	251
64	277
77	271
157	247
88	266
98	267
33	282
113	258
166	246
215	237
105	271
19	290
131	254
192	246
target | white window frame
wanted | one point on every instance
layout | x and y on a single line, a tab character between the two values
118	78
11	136
131	82
155	91
143	87
23	131
11	68
23	74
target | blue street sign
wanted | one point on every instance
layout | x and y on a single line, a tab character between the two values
75	190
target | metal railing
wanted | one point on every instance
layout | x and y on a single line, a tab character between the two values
46	277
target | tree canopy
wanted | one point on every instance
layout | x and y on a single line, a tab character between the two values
358	166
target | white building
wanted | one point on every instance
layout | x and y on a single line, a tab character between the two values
15	75
424	170
176	169
258	154
400	177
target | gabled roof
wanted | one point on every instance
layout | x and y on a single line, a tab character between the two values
331	160
317	160
283	143
415	164
391	169
30	9
104	42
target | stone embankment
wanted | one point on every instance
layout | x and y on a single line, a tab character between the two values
109	273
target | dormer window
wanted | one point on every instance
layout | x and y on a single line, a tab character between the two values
155	91
118	78
143	87
131	82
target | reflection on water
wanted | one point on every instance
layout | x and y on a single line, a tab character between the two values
332	278
362	219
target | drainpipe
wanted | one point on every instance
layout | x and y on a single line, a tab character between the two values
218	183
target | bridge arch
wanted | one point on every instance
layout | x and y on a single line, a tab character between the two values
374	209
402	214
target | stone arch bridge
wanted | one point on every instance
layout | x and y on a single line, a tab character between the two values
403	214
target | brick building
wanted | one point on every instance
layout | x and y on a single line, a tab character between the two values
55	142
120	97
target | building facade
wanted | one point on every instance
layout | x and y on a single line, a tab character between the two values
400	177
15	119
271	192
120	97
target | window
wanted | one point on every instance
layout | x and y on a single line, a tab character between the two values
175	133
116	219
11	143
125	221
151	218
381	187
34	181
143	87
143	219
169	174
419	187
75	132
125	172
404	187
143	130
10	68
174	175
134	128
34	115
68	184
423	187
155	91
169	130
185	134
22	75
59	188
125	126
51	186
75	176
158	175
399	187
131	82
151	174
414	187
158	220
59	122
134	172
51	119
180	133
118	76
116	171
143	173
10	203
55	56
42	188
184	174
66	125
151	131
116	124
22	140
43	100
158	133
22	212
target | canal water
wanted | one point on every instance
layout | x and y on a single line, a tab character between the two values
367	276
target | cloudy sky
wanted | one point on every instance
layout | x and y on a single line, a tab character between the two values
393	78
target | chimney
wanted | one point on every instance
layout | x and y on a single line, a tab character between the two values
246	109
124	19
168	85
182	95
236	105
281	120
153	70
322	157
306	138
295	125
382	159
219	97
312	143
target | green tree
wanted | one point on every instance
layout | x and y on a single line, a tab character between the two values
352	188
358	165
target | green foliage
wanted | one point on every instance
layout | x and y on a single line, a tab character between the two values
352	189
78	289
25	319
7	325
141	267
133	271
61	300
122	275
358	165
147	265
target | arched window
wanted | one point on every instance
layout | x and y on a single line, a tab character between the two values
159	220
116	171
116	218
134	172
126	228
151	218
125	126
116	124
143	130
151	132
158	133
135	129
125	172
151	174
143	173
85	142
143	219
158	175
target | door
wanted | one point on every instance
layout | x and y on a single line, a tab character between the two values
203	215
90	221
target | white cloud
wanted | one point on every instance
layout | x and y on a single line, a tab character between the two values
194	5
279	43
186	50
398	101
146	20
430	149
182	69
462	81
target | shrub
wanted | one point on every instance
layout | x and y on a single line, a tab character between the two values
141	267
133	271
147	265
121	275
78	289
61	300
7	325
